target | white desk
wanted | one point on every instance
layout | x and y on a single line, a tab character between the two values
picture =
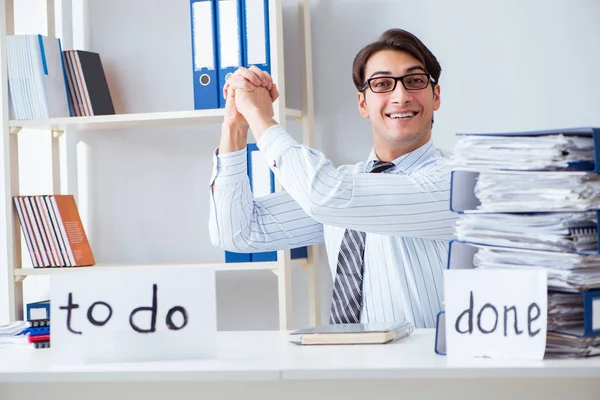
263	365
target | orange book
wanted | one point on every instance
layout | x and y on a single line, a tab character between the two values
71	229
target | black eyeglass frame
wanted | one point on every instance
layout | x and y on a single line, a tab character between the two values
430	79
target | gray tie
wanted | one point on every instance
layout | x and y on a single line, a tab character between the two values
347	302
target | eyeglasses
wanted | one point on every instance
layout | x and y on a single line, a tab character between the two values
385	84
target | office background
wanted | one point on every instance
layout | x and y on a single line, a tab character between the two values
506	65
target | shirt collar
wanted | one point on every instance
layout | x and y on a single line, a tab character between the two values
407	162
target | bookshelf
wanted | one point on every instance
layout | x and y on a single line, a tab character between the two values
10	234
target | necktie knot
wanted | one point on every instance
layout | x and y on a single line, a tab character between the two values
380	166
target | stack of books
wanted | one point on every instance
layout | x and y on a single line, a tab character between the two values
53	231
532	200
46	82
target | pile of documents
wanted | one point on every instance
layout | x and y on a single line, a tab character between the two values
565	313
542	231
507	191
535	203
14	334
569	271
535	152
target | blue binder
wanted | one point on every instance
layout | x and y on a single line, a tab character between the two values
255	34
229	41
204	54
40	309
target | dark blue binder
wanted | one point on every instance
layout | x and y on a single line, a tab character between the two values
35	307
204	54
229	41
256	34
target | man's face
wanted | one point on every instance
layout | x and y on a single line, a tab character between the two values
400	120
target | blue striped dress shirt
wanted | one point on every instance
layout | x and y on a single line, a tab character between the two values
405	212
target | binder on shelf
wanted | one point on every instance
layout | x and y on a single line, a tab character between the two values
233	257
204	54
229	41
255	34
36	79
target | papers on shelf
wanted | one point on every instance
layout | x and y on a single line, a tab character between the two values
523	152
542	191
575	232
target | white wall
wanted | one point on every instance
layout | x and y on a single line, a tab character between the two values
506	65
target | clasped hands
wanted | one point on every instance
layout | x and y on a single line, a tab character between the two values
247	92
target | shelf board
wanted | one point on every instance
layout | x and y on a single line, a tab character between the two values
128	121
25	272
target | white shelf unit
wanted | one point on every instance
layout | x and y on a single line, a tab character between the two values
10	246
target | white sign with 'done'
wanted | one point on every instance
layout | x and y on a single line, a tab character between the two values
133	314
496	313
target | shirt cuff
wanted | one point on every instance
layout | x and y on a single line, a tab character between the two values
229	167
274	143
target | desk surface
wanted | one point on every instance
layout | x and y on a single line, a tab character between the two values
267	356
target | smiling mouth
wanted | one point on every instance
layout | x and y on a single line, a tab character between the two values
401	116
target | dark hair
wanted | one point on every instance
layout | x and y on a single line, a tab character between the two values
400	40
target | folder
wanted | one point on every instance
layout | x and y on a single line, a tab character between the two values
229	41
583	320
570	232
204	54
523	191
255	34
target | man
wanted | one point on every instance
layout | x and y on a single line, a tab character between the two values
394	271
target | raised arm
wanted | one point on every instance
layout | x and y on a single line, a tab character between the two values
240	223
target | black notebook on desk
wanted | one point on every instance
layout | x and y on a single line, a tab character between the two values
369	333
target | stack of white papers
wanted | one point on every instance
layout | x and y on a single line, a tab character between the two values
565	313
574	232
532	200
522	152
540	192
565	270
565	327
13	334
567	346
